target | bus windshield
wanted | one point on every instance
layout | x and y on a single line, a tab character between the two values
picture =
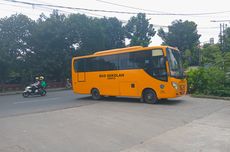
175	63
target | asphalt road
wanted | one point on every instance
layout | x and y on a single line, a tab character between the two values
62	121
13	105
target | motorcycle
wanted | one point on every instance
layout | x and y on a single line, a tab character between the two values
30	91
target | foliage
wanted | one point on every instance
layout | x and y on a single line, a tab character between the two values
15	32
226	39
92	34
139	31
209	81
112	33
211	55
50	51
184	36
29	48
181	34
214	77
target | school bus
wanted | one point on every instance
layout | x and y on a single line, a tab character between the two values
148	73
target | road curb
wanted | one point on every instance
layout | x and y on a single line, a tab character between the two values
209	97
20	92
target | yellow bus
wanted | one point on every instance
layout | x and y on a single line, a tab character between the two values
148	73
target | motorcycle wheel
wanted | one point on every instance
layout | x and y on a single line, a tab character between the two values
25	94
43	92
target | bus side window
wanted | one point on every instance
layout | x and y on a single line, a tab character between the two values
79	65
123	61
92	64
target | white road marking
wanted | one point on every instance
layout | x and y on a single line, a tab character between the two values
32	101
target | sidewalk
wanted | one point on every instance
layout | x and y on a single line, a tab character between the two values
209	97
20	92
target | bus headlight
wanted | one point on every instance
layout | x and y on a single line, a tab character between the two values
175	85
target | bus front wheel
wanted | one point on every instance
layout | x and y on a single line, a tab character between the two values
149	96
95	94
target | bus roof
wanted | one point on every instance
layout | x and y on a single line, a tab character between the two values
117	50
122	50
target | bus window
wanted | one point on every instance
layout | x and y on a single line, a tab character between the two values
152	62
92	64
108	62
141	59
175	63
79	65
125	61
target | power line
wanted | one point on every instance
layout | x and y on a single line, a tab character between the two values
45	8
220	21
208	27
166	13
223	27
94	14
161	26
72	8
111	11
14	5
136	8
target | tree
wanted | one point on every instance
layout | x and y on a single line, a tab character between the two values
211	55
93	34
226	39
181	34
50	55
15	32
139	30
112	32
82	32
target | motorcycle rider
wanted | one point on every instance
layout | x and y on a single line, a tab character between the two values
42	82
35	86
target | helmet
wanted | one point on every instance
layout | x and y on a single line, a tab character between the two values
41	78
37	78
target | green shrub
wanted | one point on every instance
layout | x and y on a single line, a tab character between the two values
209	81
222	93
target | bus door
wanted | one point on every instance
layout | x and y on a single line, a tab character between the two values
81	68
81	76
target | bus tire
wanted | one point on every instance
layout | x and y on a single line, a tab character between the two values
95	94
149	96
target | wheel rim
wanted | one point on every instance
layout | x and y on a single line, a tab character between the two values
149	97
43	93
95	93
25	94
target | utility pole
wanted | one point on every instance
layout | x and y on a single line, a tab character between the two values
223	26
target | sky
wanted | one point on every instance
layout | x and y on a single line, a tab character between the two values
202	12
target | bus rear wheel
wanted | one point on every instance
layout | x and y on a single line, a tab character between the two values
95	94
149	96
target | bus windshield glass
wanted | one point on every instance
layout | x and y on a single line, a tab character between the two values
175	63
